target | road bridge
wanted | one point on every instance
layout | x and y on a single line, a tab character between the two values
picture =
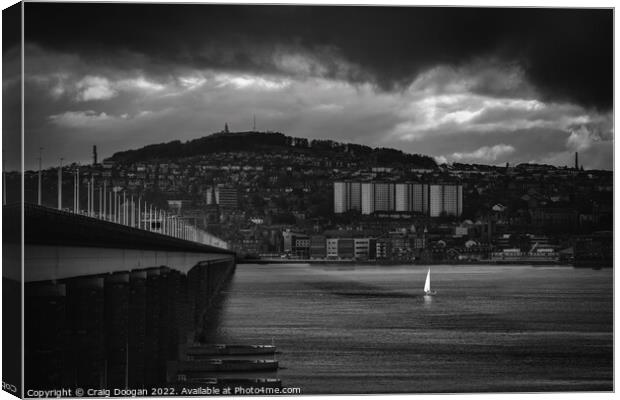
106	304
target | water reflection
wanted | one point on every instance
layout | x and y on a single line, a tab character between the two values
338	330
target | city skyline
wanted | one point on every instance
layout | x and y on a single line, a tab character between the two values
224	164
483	86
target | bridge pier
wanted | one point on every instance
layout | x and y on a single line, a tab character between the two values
136	329
116	330
116	307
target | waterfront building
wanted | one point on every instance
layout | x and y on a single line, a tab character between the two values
346	248
318	248
382	249
301	246
332	247
296	244
364	248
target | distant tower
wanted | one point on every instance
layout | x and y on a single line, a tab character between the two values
94	155
576	160
254	124
226	128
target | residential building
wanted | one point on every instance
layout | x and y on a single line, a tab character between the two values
411	197
332	247
222	195
402	195
346	248
445	200
318	246
347	196
301	246
228	197
364	248
384	196
419	198
368	198
371	197
382	249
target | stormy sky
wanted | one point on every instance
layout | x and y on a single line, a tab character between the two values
467	85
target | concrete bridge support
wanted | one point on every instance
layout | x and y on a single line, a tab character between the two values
115	330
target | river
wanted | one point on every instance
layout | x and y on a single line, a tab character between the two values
369	329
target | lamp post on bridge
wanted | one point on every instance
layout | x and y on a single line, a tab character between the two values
92	195
60	184
139	212
164	222
3	178
76	192
110	207
39	195
105	195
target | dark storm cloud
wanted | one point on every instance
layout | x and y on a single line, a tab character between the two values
567	55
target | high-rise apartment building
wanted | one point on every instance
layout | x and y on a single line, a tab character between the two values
445	200
409	197
384	196
402	197
340	197
368	198
347	196
419	197
355	196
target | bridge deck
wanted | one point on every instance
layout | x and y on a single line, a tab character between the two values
46	226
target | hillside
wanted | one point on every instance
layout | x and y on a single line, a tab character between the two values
271	142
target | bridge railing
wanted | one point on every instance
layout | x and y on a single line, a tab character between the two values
139	214
114	205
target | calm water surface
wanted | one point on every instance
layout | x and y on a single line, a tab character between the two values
369	329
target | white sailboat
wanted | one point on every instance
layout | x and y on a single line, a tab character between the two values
427	285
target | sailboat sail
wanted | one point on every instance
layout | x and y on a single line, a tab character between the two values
427	285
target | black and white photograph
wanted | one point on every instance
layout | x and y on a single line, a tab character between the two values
228	199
